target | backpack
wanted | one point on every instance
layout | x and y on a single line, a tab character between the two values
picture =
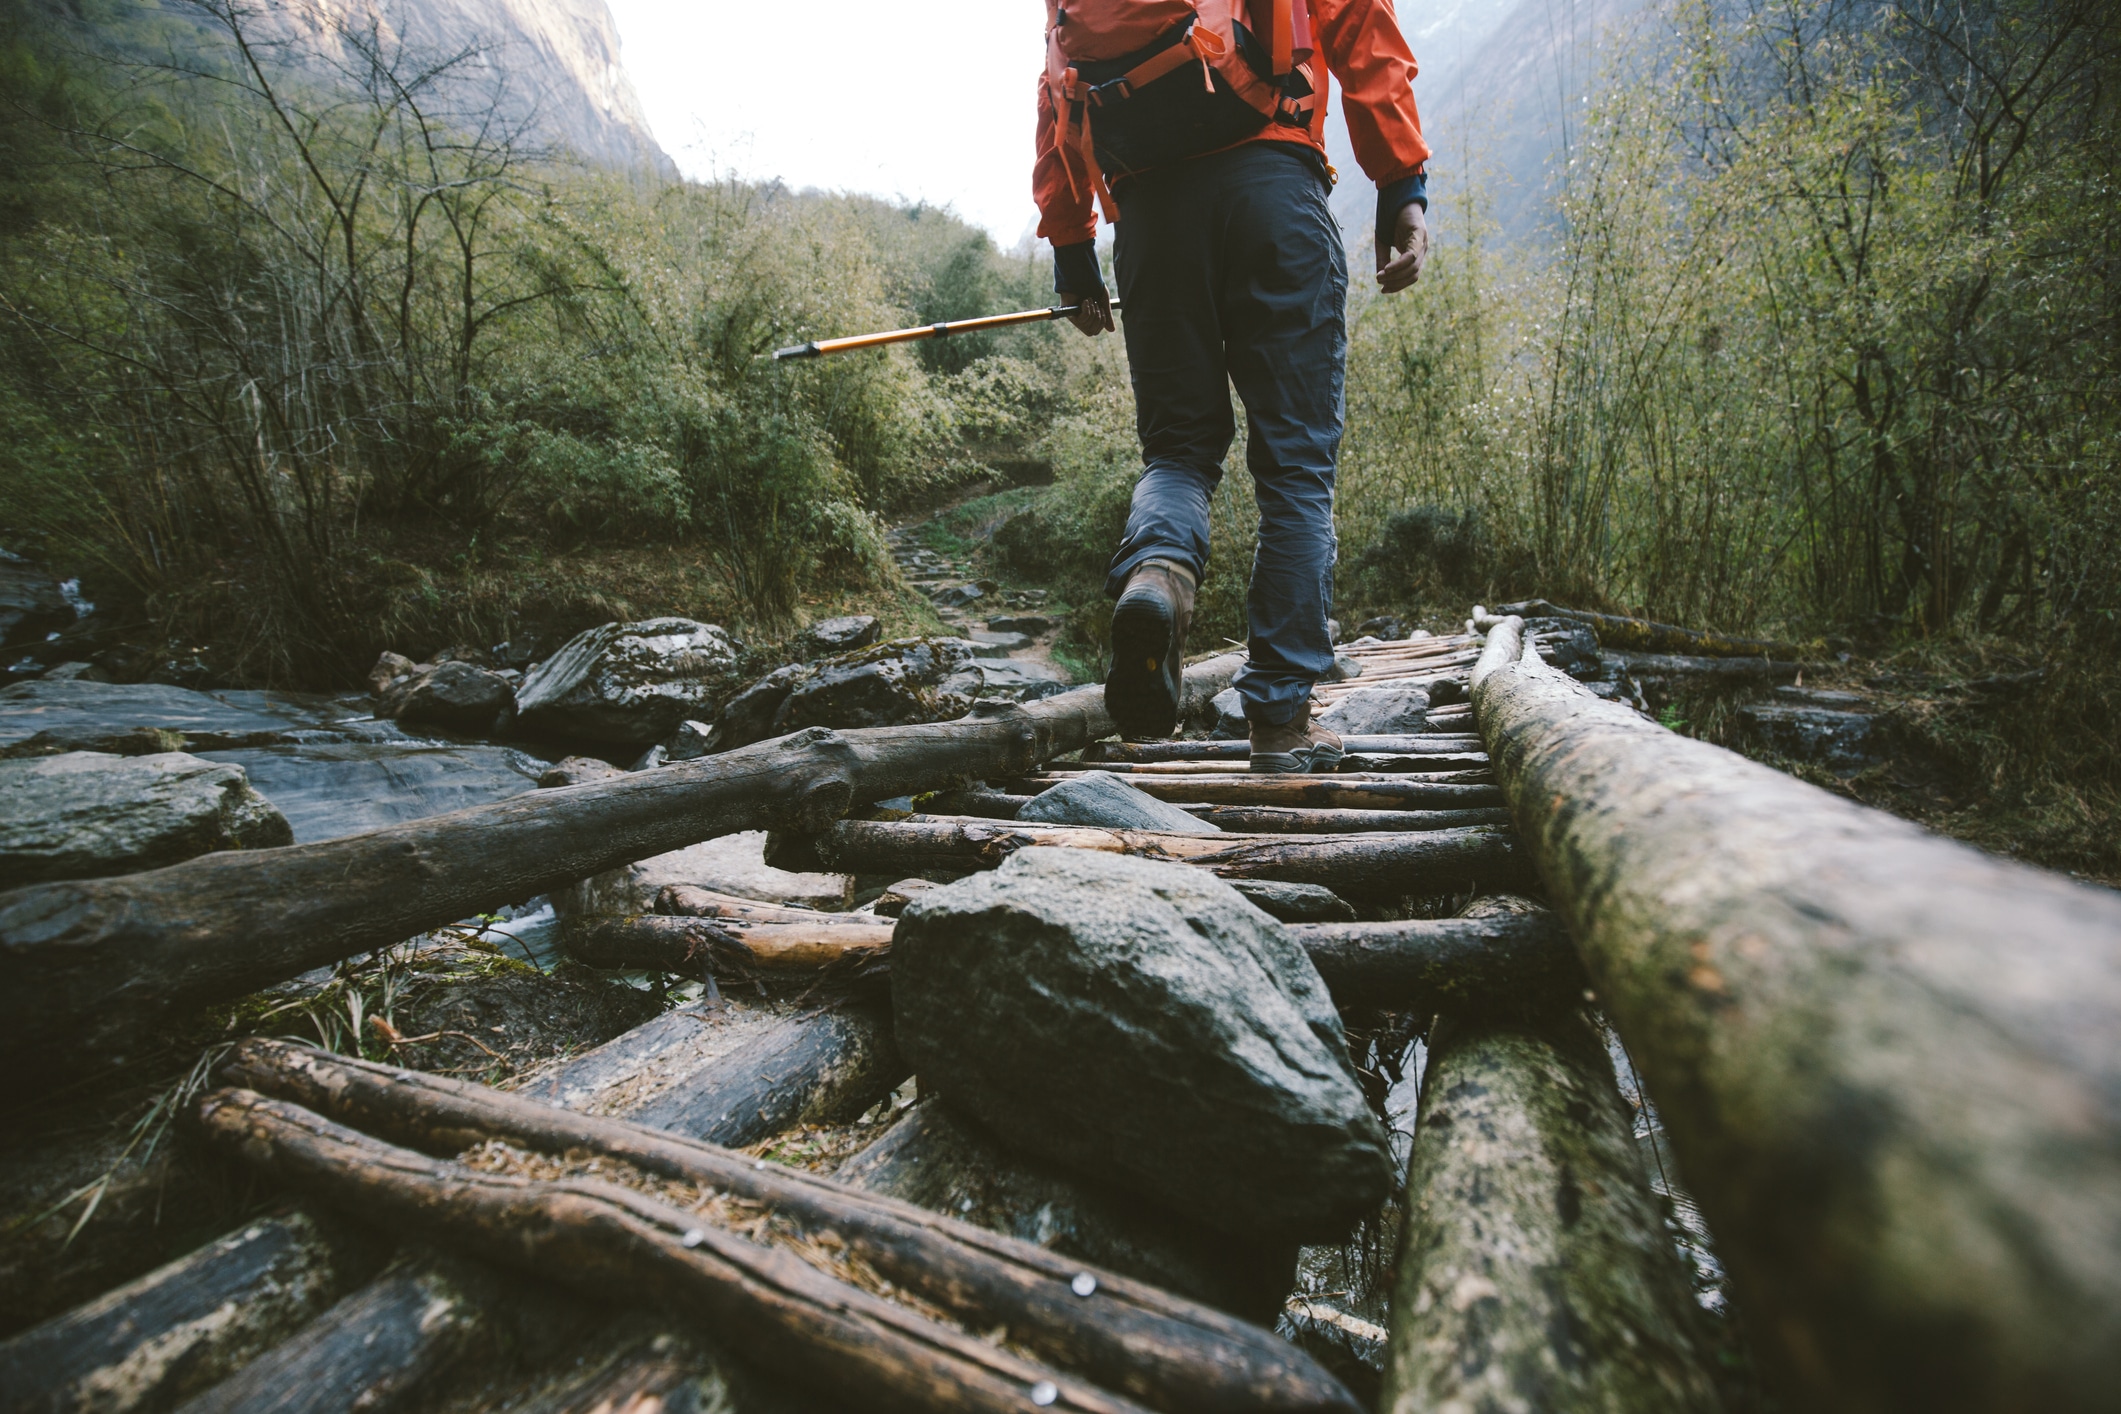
1137	84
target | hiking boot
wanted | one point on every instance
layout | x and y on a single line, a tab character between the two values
1149	649
1295	747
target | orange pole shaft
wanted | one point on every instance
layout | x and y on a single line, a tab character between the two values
817	348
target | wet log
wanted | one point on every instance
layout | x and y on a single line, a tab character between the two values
1306	792
86	966
726	947
1442	765
1132	1337
1535	1271
1672	665
186	1326
1647	635
1118	751
1490	966
1275	819
1362	863
1885	1060
384	1347
617	1244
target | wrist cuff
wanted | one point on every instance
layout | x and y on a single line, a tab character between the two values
1075	269
1392	198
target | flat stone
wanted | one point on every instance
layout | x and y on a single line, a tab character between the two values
1104	798
1397	710
1139	1021
1031	624
998	645
87	814
79	715
733	864
329	789
630	684
1295	903
841	635
1020	679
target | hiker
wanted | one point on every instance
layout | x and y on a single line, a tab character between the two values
1198	128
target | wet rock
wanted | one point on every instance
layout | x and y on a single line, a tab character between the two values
1833	737
904	681
841	635
1344	669
1105	799
957	596
1030	625
390	669
328	789
1020	680
67	672
455	695
577	770
31	604
748	716
629	684
734	864
1228	711
1398	710
1384	626
689	742
1295	903
87	815
126	718
1140	1021
1569	646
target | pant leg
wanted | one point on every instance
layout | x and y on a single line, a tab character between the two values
1284	311
1169	271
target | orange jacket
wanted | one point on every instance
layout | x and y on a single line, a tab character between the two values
1362	47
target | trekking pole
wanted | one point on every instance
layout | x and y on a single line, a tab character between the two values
817	348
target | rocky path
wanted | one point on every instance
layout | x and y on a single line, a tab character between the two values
1014	632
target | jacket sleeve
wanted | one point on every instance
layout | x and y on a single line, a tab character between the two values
1367	53
1065	213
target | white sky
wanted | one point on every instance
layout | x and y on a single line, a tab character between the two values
929	102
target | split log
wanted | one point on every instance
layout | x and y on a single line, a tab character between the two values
1669	665
691	901
1306	792
1618	631
1361	863
1488	966
1439	764
1276	820
86	966
616	1244
645	1374
1534	1271
726	947
1115	751
383	1348
185	1326
1886	1060
1132	1337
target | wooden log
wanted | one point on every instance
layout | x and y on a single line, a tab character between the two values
384	1347
1670	665
1440	764
1647	635
1118	751
1490	966
616	1244
691	901
1534	1271
1885	1060
86	966
645	1374
727	947
1361	863
1133	1337
1306	792
186	1326
1276	819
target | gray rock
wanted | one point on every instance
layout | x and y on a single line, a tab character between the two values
841	635
1104	798
332	788
577	770
1384	626
80	715
904	681
1569	646
1141	1022
731	864
689	742
748	716
957	596
1020	679
630	684
1295	903
1344	669
391	668
455	695
1228	710
1029	624
31	604
67	672
87	814
892	901
1839	740
1398	710
998	645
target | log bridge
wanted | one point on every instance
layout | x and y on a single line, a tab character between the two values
1888	1067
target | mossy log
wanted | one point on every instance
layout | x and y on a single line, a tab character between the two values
1497	965
1132	1337
1304	792
186	1326
1647	635
86	966
1885	1060
1675	665
1534	1271
724	947
1441	764
1277	820
1363	863
1112	752
618	1244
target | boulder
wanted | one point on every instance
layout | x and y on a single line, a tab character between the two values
1386	626
1104	798
1020	679
331	788
390	669
1228	712
904	681
1398	710
87	814
957	596
733	864
455	695
630	684
31	604
841	635
1344	669
1295	903
1139	1022
748	716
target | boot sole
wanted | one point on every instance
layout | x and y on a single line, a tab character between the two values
1316	761
1141	691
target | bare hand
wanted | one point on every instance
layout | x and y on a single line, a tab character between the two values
1093	314
1399	264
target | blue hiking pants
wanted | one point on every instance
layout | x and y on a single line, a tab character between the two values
1232	272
